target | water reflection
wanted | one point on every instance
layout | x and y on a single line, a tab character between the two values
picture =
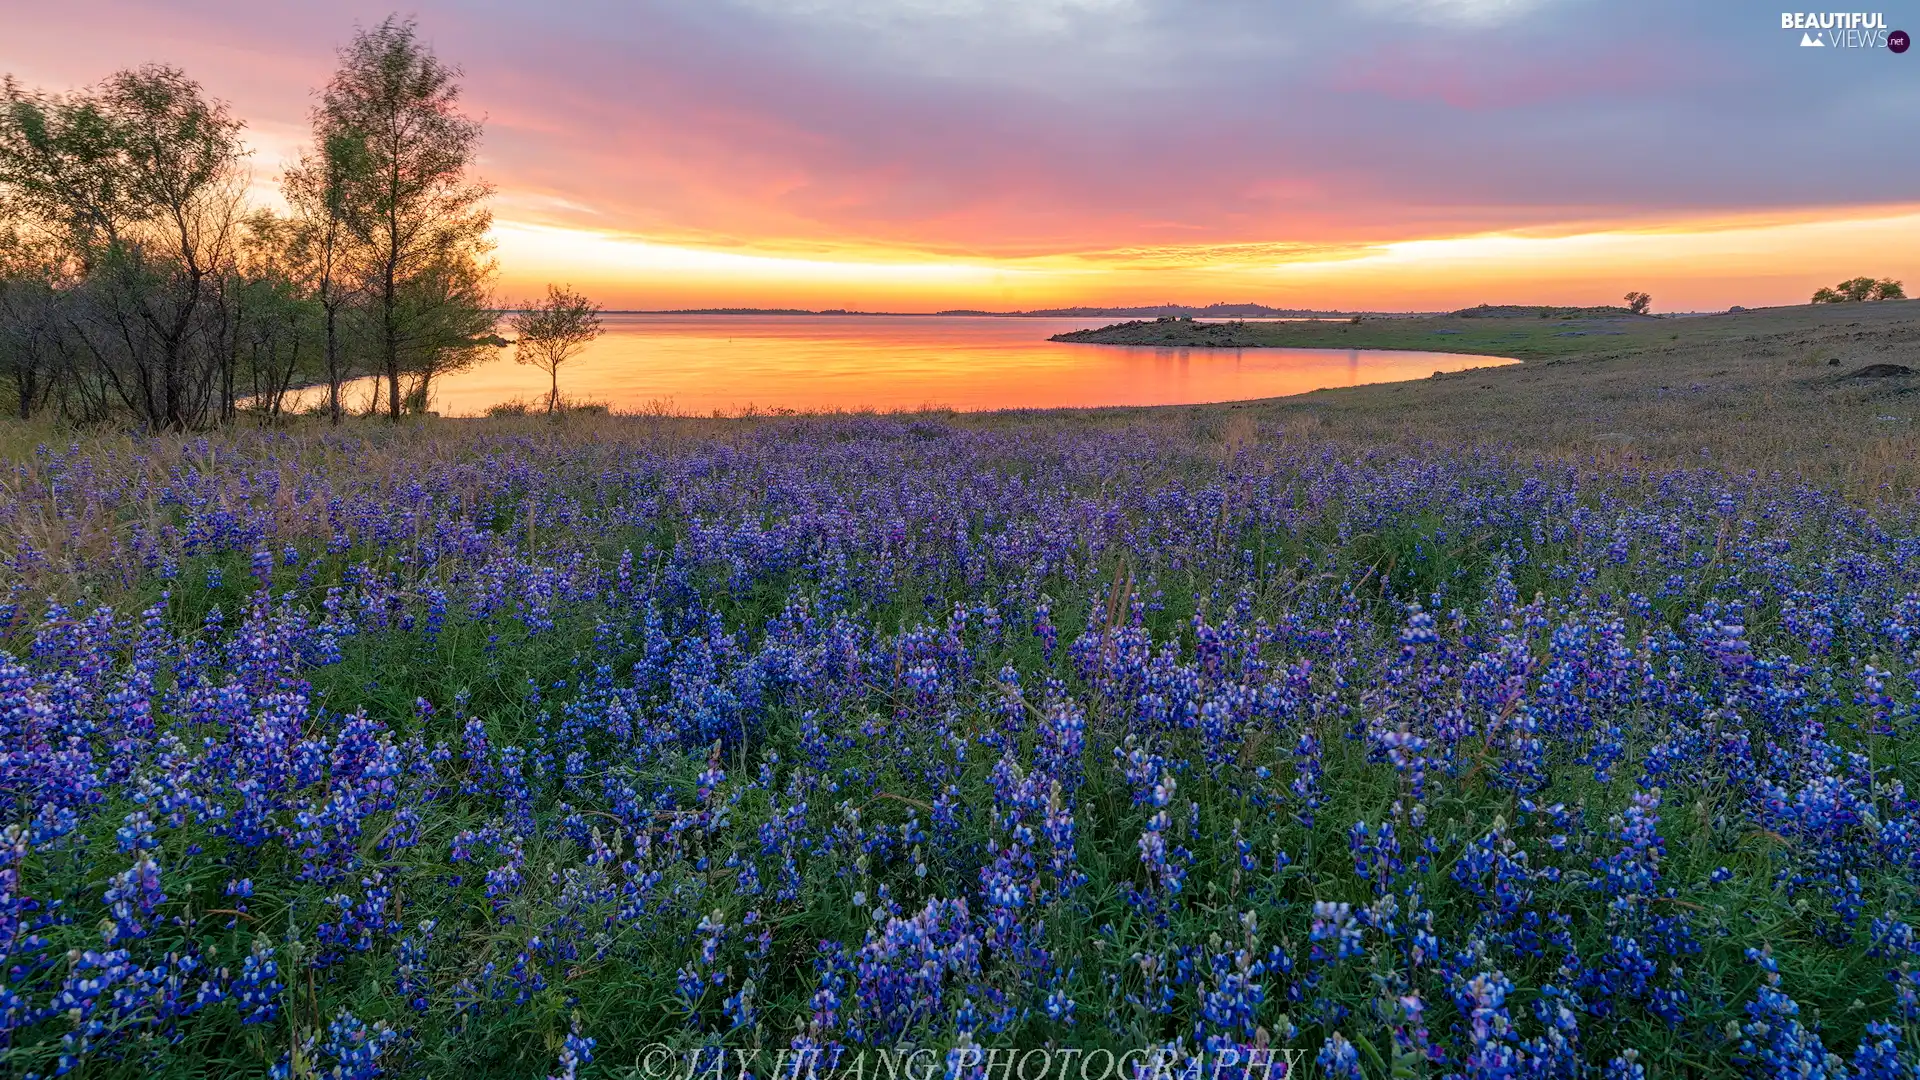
700	364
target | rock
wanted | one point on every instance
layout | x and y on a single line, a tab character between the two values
1833	361
1879	371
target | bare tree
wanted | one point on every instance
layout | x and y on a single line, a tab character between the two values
1638	302
550	331
407	199
33	343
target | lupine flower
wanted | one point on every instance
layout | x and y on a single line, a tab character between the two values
1337	734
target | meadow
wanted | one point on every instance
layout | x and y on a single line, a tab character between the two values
1786	392
514	748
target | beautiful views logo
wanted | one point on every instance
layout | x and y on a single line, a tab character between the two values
1844	30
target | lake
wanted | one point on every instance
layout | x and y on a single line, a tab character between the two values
698	364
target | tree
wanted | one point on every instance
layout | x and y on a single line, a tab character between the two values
1855	290
316	188
164	298
32	339
450	313
139	179
399	149
549	332
1638	302
181	154
60	163
278	314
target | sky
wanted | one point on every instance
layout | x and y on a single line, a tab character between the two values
1017	154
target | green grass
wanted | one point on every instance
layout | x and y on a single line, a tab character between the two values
1769	390
1521	338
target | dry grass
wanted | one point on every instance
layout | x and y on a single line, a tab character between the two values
1751	391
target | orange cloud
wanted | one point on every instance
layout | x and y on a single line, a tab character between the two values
1705	263
853	153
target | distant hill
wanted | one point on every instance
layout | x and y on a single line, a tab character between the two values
1211	311
1545	311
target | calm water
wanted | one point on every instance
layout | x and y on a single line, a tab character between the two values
699	364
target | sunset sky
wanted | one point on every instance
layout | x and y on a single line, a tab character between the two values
920	154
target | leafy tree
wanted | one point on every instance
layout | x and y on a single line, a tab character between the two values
1855	290
316	188
550	331
60	166
449	314
398	152
279	332
1638	302
180	152
147	288
139	179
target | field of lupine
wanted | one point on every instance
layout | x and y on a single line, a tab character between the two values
480	750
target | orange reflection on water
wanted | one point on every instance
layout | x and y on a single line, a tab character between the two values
729	363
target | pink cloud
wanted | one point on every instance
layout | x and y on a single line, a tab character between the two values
695	122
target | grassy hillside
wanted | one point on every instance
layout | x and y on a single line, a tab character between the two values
1752	390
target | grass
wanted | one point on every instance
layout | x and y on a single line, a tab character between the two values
517	638
1753	390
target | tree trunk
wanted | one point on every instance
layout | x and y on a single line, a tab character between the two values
391	346
330	306
390	337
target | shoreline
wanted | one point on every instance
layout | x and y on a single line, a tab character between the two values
1829	393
